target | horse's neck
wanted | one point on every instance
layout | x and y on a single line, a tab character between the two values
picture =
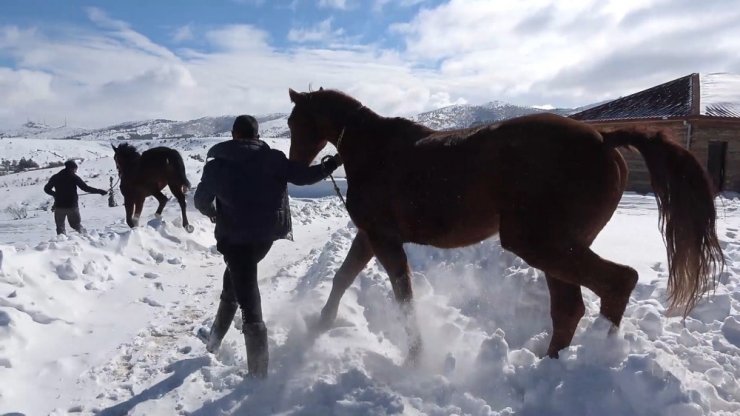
381	130
367	145
129	169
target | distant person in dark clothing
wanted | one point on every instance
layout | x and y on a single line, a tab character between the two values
244	191
63	187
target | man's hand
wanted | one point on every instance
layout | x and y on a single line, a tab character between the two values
331	163
338	159
213	219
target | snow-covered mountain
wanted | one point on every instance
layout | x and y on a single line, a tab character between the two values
40	130
271	125
462	116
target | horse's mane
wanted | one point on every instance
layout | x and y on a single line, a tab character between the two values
337	102
127	149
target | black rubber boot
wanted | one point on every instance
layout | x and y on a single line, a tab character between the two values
221	325
255	336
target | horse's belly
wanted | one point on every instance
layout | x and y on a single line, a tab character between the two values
453	231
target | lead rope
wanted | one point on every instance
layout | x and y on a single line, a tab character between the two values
111	193
325	159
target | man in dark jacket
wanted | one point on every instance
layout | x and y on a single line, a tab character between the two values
244	191
63	187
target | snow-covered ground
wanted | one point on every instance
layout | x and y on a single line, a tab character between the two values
105	322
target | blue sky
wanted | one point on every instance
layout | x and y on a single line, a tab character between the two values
364	21
95	63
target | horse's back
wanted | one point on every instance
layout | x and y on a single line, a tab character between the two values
159	151
543	164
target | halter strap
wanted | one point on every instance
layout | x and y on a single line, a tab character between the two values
339	139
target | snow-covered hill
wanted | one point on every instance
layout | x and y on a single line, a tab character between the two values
271	125
38	130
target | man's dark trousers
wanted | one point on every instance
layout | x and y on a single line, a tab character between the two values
240	277
60	214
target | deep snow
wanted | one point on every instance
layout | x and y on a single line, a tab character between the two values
105	322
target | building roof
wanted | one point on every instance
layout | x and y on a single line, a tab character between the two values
712	95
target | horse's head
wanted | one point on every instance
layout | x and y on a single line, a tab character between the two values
306	137
124	154
318	117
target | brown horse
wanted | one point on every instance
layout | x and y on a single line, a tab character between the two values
546	184
146	174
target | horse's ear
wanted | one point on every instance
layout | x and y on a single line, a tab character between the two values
115	149
321	88
296	97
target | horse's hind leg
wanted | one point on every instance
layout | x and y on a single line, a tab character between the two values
359	255
566	310
611	282
177	191
391	255
162	199
129	206
572	263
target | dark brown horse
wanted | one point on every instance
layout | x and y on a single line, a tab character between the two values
546	184
146	174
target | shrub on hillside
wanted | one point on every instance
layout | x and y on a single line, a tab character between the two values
25	164
17	212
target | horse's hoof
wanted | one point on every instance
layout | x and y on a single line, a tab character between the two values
412	360
326	320
189	228
158	216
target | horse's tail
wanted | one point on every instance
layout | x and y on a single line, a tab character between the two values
687	214
179	165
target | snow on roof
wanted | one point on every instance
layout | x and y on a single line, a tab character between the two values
718	96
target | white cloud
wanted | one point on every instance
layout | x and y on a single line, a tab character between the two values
23	87
100	78
571	52
122	30
239	38
183	33
322	32
334	4
529	52
378	5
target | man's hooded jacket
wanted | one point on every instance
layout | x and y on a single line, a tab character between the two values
244	186
63	187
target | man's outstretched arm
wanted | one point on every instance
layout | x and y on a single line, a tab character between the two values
306	175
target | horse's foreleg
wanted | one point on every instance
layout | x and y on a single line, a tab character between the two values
391	255
180	196
138	207
357	258
566	310
162	199
129	206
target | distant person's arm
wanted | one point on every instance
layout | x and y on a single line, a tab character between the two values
205	193
49	187
306	175
85	187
